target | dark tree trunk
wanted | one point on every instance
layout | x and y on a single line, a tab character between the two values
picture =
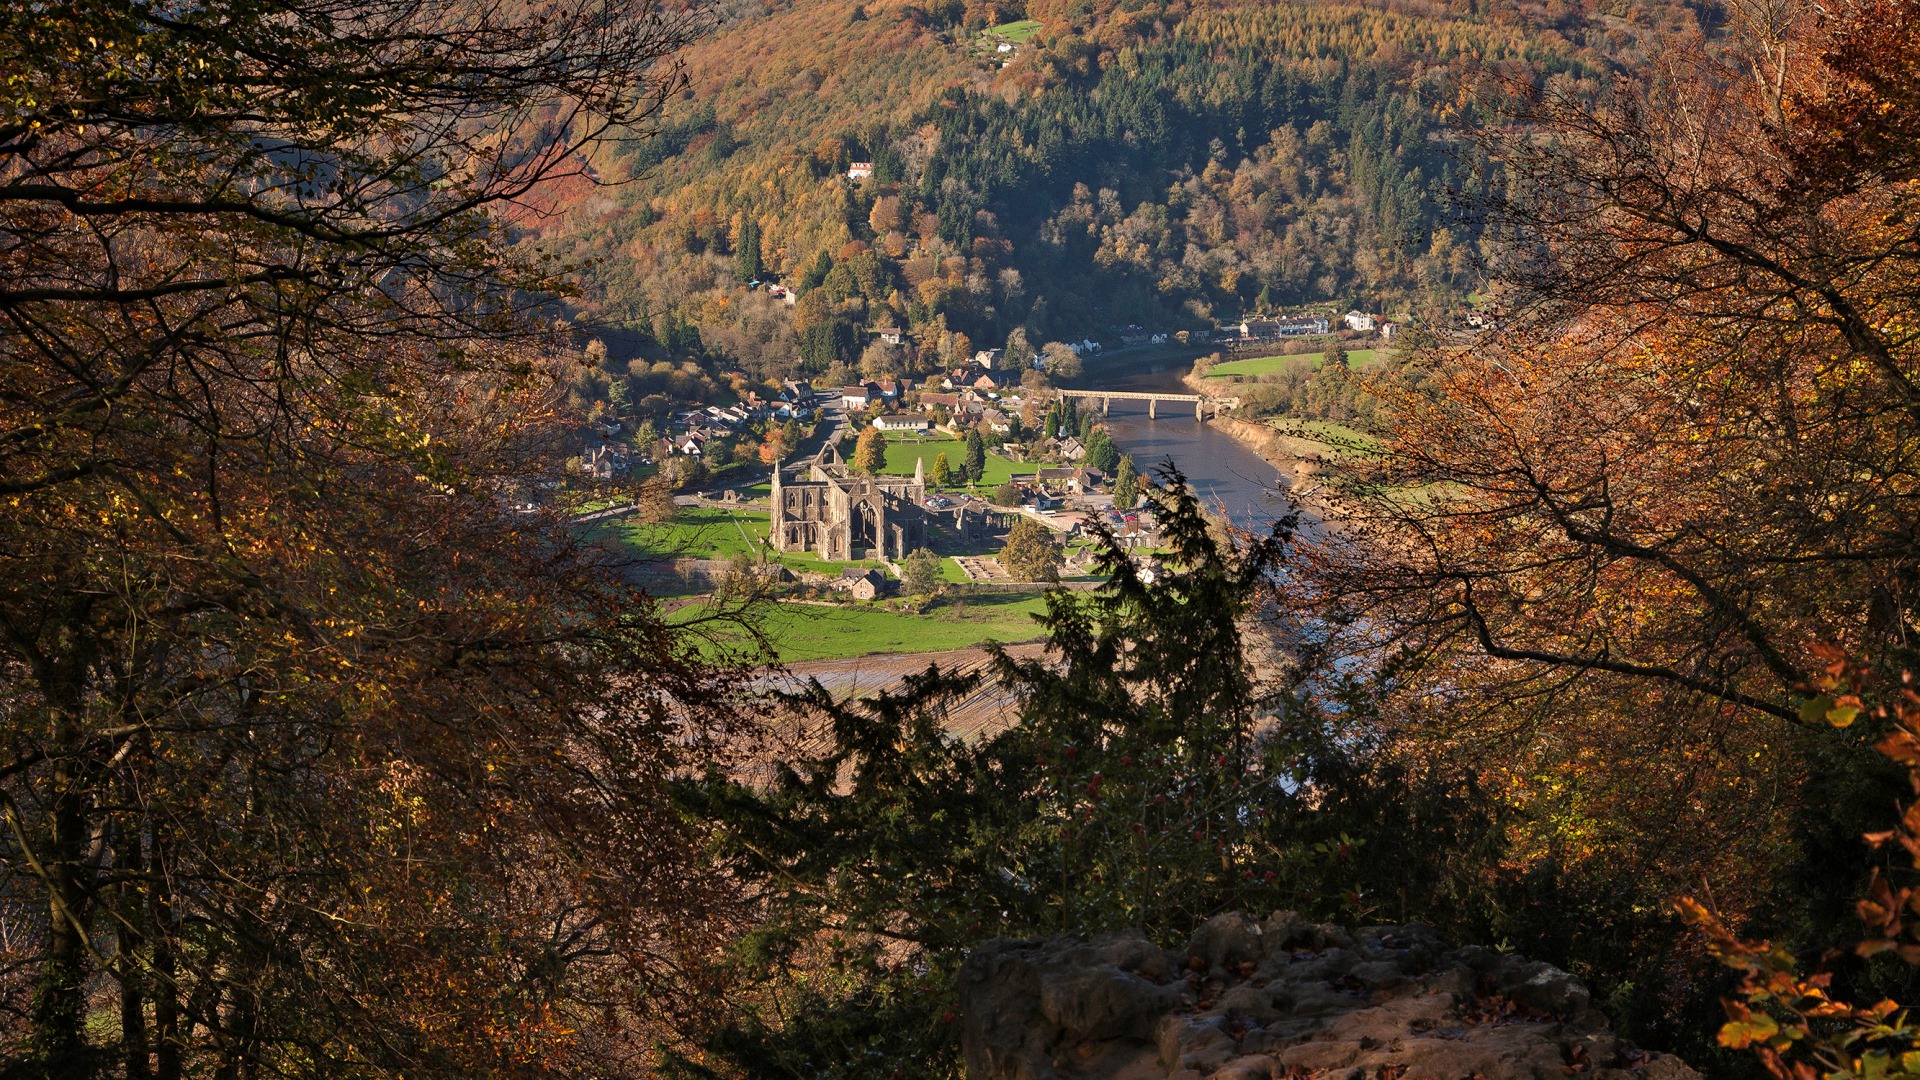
60	1004
168	1037
130	860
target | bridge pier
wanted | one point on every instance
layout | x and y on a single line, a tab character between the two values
1200	410
1106	405
1153	404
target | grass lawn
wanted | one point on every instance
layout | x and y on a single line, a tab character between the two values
831	632
705	532
698	531
1018	31
901	455
1261	365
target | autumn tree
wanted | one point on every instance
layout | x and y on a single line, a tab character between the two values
1602	544
773	448
942	475
319	757
870	451
1031	552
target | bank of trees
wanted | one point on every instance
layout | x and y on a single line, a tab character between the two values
317	760
1607	545
1192	165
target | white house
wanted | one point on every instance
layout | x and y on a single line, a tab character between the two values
855	397
987	358
1359	321
731	416
859	170
902	422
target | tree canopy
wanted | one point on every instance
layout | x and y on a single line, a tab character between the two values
1031	552
318	758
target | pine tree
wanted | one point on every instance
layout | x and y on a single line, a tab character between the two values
975	462
1101	453
746	252
1126	484
1130	790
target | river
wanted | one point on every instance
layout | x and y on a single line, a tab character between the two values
1225	474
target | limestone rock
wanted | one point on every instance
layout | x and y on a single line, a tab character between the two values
1283	999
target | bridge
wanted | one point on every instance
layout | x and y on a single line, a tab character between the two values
1200	404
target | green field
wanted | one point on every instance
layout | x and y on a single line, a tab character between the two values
831	632
1018	31
1262	365
701	532
901	455
697	531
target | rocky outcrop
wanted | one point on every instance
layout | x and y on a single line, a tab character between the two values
1284	999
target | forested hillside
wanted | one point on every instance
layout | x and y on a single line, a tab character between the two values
1159	163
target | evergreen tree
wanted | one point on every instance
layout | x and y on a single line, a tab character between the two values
1148	781
1126	483
817	273
942	471
1101	453
1335	356
827	342
746	252
975	461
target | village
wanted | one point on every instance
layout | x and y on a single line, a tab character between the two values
827	492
